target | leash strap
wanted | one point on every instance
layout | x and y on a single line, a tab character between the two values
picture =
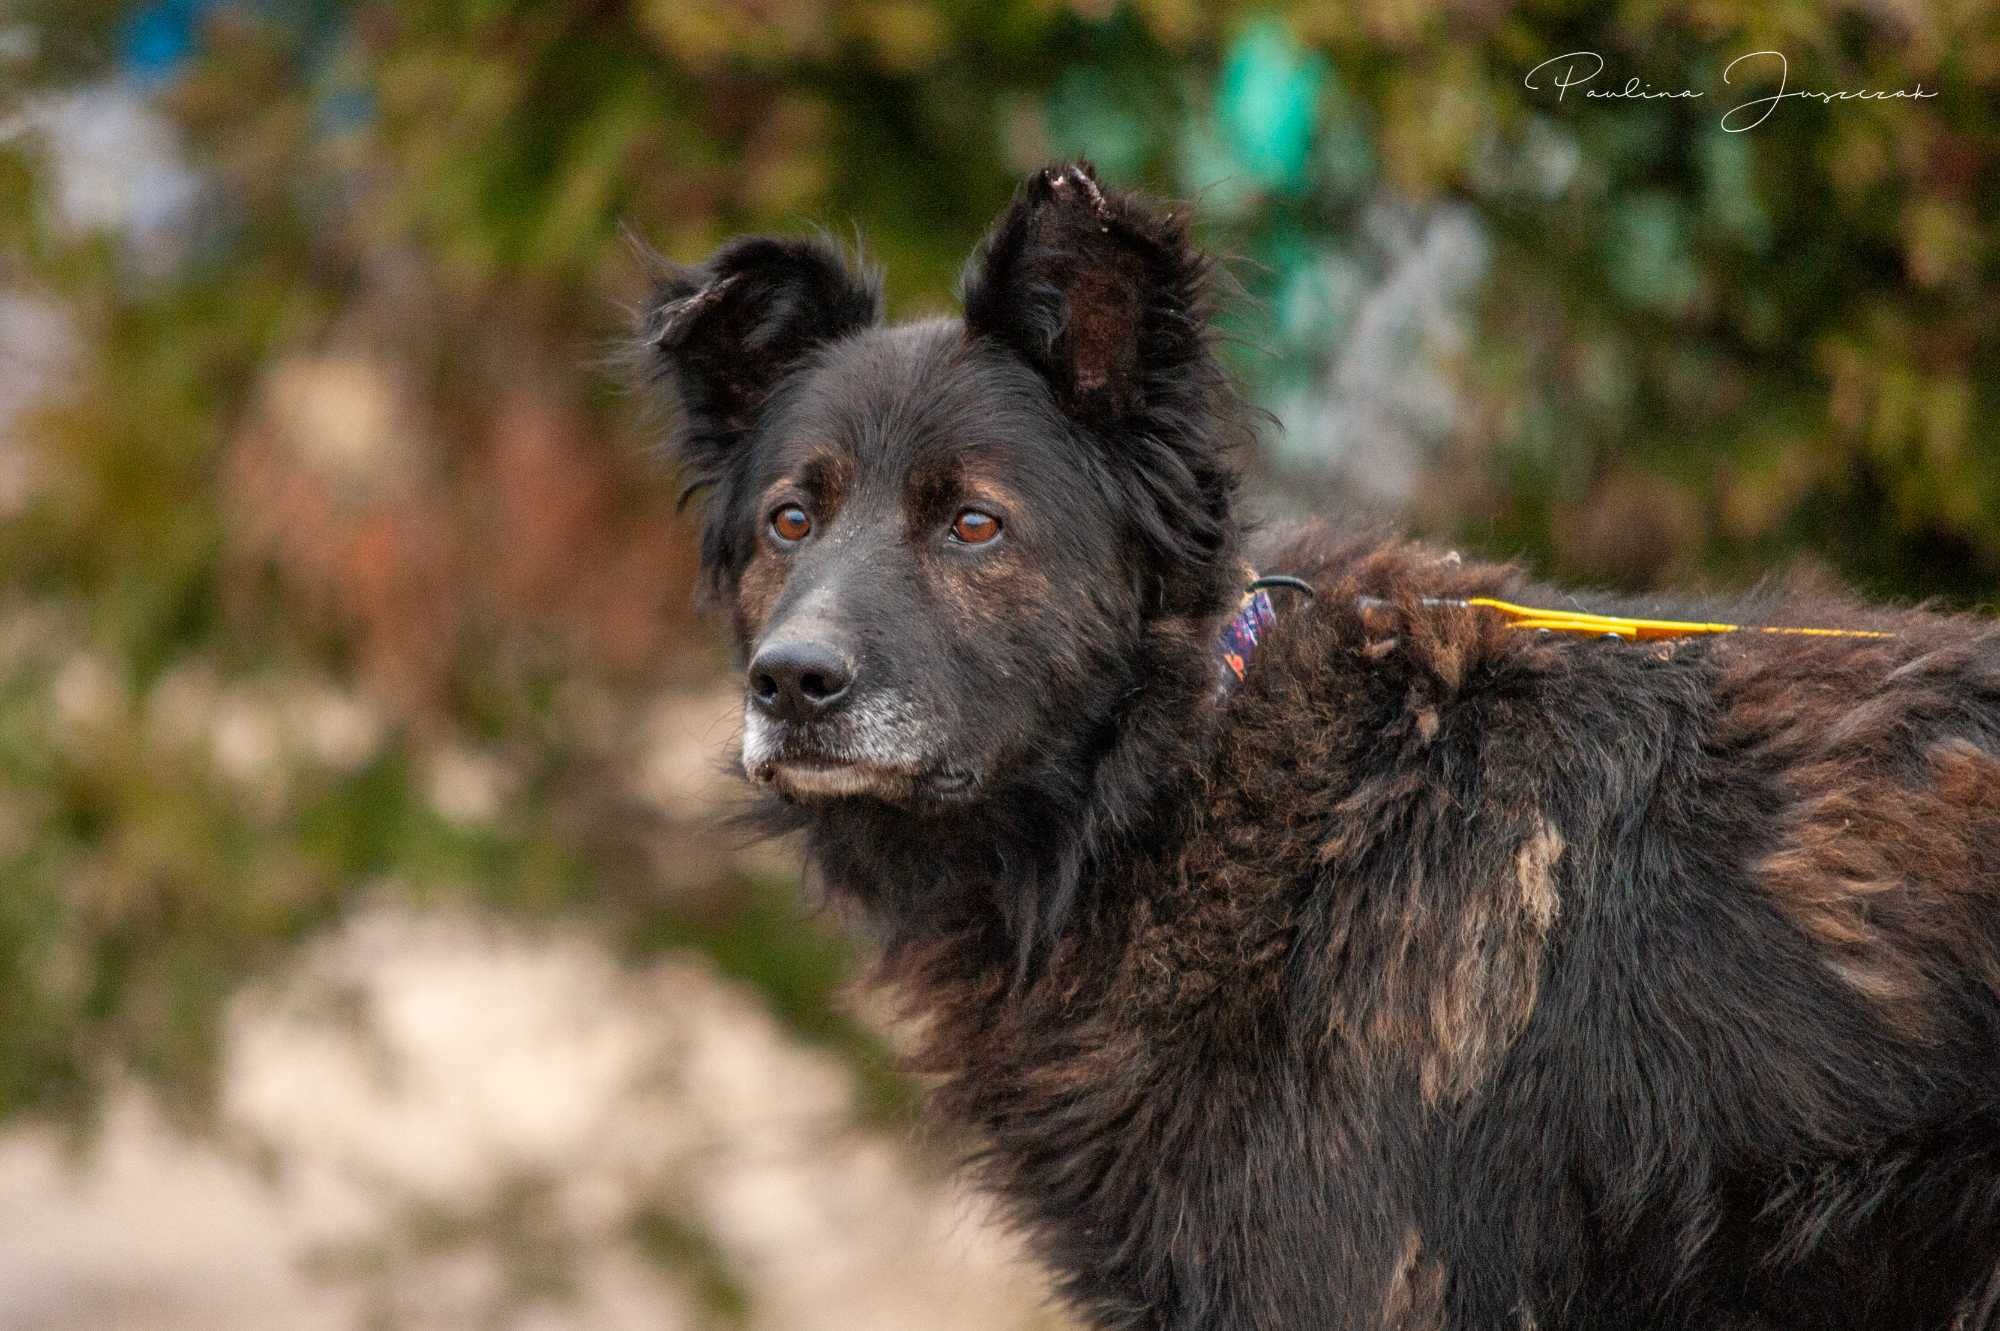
1633	630
1255	615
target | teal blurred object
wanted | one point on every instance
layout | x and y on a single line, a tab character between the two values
1647	252
1267	102
1729	194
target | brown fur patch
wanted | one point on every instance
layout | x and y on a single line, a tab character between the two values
756	592
825	474
1414	1300
1481	1002
1535	870
1426	716
1889	832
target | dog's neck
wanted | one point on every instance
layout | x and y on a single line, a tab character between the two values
1009	873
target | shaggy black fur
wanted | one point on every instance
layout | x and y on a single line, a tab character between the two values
1443	976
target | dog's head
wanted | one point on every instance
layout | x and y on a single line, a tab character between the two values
940	543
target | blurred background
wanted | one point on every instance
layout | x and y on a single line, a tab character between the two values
369	952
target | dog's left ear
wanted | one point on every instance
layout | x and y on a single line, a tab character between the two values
1109	299
1104	294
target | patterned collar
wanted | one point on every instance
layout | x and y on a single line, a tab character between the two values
1254	617
1238	640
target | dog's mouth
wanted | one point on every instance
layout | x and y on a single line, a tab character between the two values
876	750
813	780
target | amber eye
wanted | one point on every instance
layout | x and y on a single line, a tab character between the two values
974	528
790	523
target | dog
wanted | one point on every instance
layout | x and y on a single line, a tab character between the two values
1345	953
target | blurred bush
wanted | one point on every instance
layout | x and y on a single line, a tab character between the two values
335	561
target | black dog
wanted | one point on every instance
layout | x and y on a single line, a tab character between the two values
1440	974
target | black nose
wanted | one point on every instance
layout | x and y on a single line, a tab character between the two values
796	681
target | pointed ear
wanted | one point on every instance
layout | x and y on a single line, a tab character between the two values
1103	293
1108	298
719	337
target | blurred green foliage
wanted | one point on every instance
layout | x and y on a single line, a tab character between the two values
1689	354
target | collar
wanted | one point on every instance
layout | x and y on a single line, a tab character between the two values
1254	617
1238	641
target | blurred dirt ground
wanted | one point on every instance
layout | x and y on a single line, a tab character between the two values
443	1121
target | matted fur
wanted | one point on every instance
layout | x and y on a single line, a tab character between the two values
1443	976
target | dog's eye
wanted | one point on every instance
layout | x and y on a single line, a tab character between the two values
974	528
791	523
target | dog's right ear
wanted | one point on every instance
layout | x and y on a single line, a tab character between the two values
719	337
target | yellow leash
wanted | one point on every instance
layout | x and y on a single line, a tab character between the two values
1633	630
1541	619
